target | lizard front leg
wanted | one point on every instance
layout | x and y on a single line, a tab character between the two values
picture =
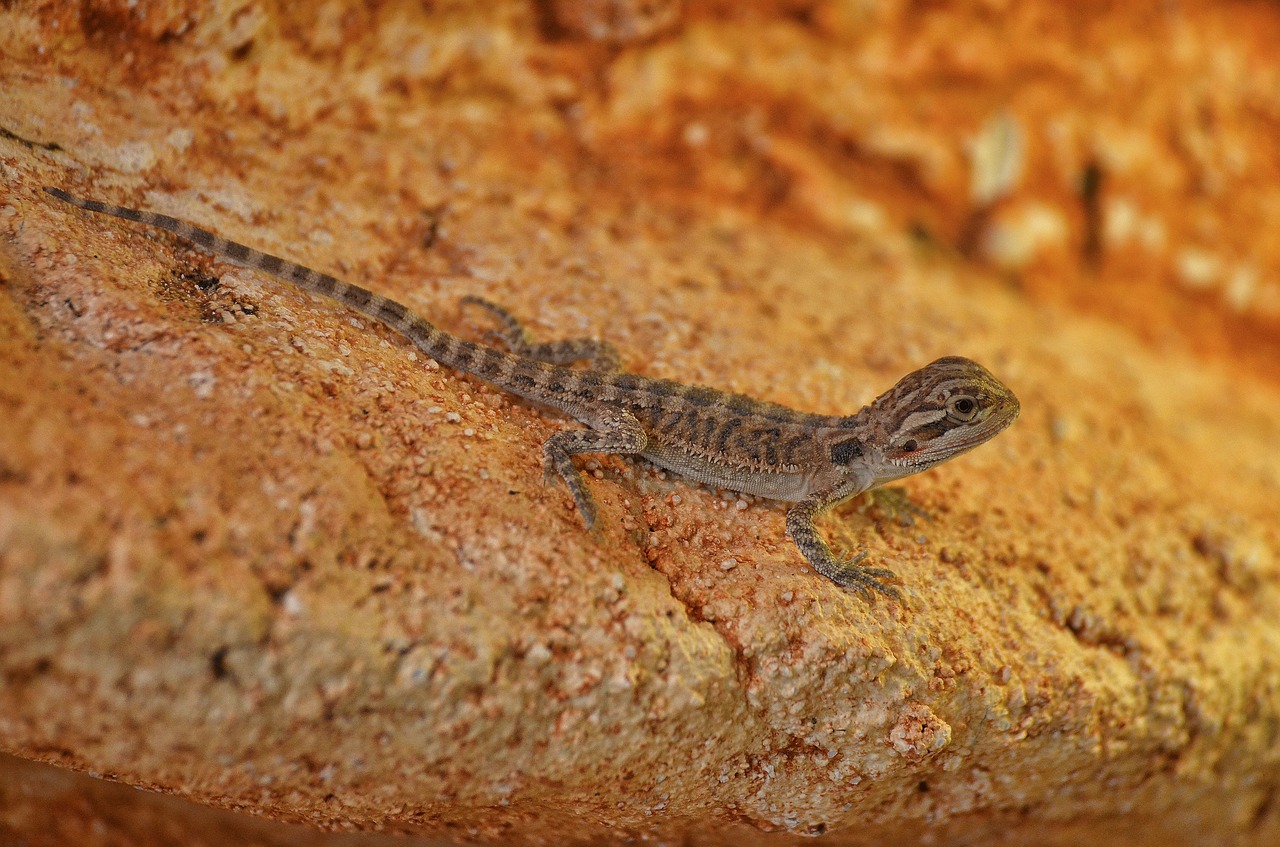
847	572
618	432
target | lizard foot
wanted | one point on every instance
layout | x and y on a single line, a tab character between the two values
559	467
898	505
849	573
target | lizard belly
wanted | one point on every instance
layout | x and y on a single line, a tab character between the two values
789	486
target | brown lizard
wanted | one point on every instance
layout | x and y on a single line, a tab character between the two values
719	438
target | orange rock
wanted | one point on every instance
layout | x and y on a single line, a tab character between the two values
256	552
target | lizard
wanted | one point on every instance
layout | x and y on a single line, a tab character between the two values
723	439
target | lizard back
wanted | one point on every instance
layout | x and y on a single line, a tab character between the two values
717	437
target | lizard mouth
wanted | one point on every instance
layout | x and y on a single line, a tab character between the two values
961	439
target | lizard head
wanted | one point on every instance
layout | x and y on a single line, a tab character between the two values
938	412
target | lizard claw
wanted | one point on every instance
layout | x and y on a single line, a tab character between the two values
849	573
587	508
581	497
898	505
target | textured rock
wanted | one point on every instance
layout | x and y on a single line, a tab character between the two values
260	554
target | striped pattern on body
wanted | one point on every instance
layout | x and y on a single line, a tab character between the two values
720	438
713	424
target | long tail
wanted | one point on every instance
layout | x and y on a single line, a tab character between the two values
513	373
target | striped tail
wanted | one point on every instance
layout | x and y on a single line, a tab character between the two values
444	347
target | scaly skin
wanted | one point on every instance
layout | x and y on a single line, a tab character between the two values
723	439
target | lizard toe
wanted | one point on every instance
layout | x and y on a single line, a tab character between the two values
866	581
899	507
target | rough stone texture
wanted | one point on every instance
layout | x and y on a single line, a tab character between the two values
257	553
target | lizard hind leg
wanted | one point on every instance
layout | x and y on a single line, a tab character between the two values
898	506
616	433
599	355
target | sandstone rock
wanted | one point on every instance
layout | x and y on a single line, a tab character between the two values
256	552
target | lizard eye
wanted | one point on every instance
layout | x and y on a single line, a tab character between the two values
962	408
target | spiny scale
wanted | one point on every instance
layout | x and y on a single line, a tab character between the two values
720	438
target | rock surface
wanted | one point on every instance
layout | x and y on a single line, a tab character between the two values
258	553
